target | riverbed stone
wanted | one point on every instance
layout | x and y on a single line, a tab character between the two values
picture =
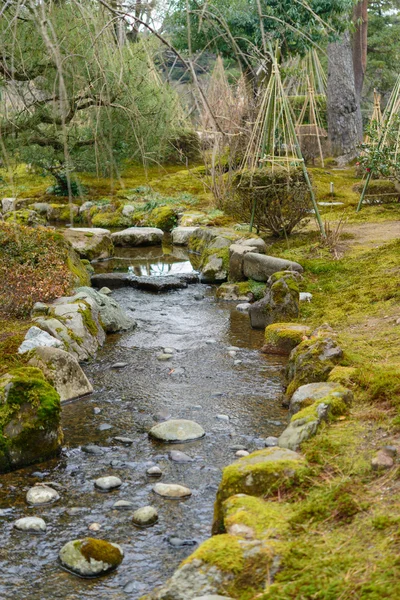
154	472
181	235
281	338
30	419
271	441
138	236
145	516
177	430
260	267
35	524
244	307
181	457
123	505
108	483
90	557
172	490
124	440
90	242
214	270
259	474
312	361
62	371
41	494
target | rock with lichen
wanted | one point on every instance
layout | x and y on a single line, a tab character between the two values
90	242
282	338
30	412
90	557
280	302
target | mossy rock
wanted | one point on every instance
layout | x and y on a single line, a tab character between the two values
343	375
255	518
279	304
282	338
25	217
312	361
30	411
163	217
380	191
78	268
90	557
259	474
110	220
63	213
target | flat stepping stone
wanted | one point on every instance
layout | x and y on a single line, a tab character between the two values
41	494
123	505
181	457
145	516
177	430
154	472
108	483
119	365
124	440
90	557
30	524
172	490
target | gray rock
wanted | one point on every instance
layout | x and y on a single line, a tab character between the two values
92	449
108	483
86	206
271	441
213	271
112	317
298	431
311	392
254	243
123	505
260	267
162	415
90	242
41	494
222	418
243	307
241	453
382	460
177	430
236	260
119	365
280	303
145	516
42	208
154	472
164	357
138	236
124	440
181	235
181	457
37	338
128	210
30	524
177	542
63	371
104	427
80	557
105	290
172	490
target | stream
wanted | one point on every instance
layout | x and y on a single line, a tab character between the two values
201	381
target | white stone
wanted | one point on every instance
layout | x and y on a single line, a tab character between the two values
109	482
241	453
41	494
181	235
244	307
172	490
177	430
145	516
30	524
154	472
37	338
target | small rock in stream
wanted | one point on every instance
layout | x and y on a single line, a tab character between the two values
123	505
94	527
241	453
211	341
89	558
154	472
222	418
123	440
105	290
232	353
237	362
30	524
199	297
177	430
92	449
96	410
162	415
145	516
104	427
108	483
181	457
236	447
41	494
172	490
119	365
177	542
271	441
164	357
133	586
169	351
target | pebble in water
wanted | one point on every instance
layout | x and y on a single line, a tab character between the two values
222	418
123	505
271	441
162	415
163	357
94	527
92	449
123	440
177	430
181	457
30	524
177	542
232	353
145	516
237	362
237	447
241	453
154	472
119	365
104	427
83	557
172	490
107	483
41	494
96	410
169	350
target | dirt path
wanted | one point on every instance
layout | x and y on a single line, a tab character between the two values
371	235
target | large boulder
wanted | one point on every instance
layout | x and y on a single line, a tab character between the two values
260	267
312	361
280	303
281	338
112	317
90	557
37	338
62	371
30	410
181	235
258	474
138	236
215	269
313	404
90	243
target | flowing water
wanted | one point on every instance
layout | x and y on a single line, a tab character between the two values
201	381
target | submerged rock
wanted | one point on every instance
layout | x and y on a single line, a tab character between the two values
123	505
172	490
89	557
177	430
145	516
181	457
30	524
41	494
154	472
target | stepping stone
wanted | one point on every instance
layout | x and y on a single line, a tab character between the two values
177	430
172	490
145	516
181	457
30	524
108	483
41	494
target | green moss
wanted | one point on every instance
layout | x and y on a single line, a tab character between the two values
335	401
281	338
88	320
223	551
266	519
100	550
163	217
110	220
78	269
257	288
343	375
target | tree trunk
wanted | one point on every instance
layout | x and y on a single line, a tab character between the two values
360	19
342	103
